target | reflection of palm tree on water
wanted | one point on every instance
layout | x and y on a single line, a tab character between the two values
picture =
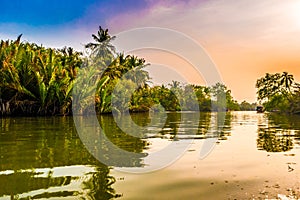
100	185
32	177
279	139
272	140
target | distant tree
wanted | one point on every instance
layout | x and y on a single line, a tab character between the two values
247	106
222	99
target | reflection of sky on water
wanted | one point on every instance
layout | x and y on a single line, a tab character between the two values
235	169
41	162
78	173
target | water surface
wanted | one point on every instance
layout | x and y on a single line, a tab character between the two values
255	156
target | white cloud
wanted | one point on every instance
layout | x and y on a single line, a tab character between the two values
218	21
243	37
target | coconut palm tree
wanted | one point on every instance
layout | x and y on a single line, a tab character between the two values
135	72
102	51
286	81
101	38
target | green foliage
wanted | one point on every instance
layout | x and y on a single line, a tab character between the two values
36	80
222	99
295	102
194	97
122	95
273	84
278	92
278	103
43	81
245	106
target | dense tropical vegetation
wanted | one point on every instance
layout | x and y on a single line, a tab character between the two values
35	79
40	81
279	92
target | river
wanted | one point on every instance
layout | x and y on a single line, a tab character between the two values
233	155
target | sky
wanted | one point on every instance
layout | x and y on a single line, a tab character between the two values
244	39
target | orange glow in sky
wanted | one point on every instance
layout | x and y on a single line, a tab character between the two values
245	39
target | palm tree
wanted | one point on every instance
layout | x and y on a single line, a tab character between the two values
32	75
134	66
70	60
102	51
277	89
286	81
174	84
101	37
117	68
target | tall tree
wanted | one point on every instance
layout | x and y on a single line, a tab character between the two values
102	51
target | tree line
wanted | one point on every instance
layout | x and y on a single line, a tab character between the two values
36	80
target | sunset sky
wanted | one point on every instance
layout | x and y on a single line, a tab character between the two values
245	39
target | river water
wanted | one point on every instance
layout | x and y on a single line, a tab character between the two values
233	155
